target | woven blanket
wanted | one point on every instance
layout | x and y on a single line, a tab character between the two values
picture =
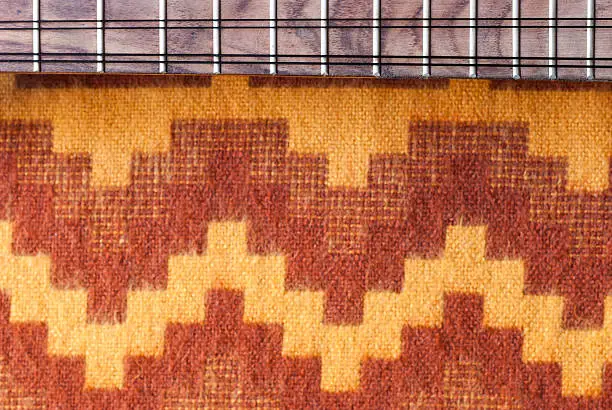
244	242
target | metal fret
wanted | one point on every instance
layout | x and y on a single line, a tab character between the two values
472	40
273	37
376	15
162	36
324	42
100	36
516	39
36	35
426	37
525	57
590	43
216	13
552	39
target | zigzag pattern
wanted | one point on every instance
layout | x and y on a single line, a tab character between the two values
227	265
344	272
470	173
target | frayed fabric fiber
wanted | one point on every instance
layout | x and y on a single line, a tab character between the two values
236	242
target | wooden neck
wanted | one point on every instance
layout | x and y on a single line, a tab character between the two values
391	38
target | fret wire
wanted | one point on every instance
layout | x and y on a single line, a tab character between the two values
324	42
472	39
36	35
162	36
273	37
426	37
552	39
376	15
216	11
590	44
516	39
100	36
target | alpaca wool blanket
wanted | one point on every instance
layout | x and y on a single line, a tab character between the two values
235	242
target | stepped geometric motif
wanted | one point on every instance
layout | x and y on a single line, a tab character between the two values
465	264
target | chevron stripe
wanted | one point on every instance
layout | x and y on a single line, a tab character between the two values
112	124
228	265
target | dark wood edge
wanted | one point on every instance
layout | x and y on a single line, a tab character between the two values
344	82
550	85
68	80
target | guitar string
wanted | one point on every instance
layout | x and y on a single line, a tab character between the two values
109	26
552	23
330	62
427	23
313	56
544	18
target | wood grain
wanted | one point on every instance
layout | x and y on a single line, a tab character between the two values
545	85
56	40
497	41
260	81
304	38
245	40
95	80
534	41
402	41
16	41
189	37
451	41
350	41
144	39
572	38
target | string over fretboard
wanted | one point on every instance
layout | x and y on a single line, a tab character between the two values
555	39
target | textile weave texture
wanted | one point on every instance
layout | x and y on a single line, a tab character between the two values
335	243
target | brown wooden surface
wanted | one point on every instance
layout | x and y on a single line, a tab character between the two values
245	40
262	81
350	41
67	41
571	40
106	80
16	41
190	38
140	40
450	41
534	41
406	42
495	42
304	38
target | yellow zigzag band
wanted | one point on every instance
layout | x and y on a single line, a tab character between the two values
112	124
227	265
